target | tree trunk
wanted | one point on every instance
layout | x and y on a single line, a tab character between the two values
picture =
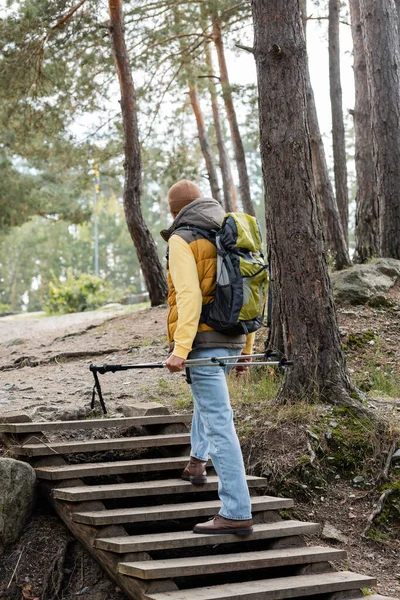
338	135
332	225
150	265
299	269
204	143
240	158
367	221
222	152
382	53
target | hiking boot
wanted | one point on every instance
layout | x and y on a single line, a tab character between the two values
195	471
219	524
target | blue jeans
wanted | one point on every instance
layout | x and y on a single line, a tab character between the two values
213	433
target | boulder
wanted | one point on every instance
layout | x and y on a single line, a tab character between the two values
17	483
367	283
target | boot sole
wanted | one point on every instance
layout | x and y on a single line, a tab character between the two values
195	480
238	531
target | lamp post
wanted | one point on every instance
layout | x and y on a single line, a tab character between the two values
96	225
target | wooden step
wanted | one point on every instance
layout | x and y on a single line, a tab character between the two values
172	511
187	539
378	597
34	427
126	443
143	488
273	589
142	465
242	561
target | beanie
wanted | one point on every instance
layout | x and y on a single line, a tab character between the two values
182	193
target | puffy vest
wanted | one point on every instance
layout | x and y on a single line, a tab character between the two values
205	255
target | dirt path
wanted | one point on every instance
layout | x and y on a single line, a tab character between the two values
44	362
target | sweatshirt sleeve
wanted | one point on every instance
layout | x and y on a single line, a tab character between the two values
248	349
184	275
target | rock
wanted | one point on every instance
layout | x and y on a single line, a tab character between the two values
17	483
329	532
368	283
358	479
396	455
15	342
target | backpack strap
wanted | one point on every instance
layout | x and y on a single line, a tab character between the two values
209	234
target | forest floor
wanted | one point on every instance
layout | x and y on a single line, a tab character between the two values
330	462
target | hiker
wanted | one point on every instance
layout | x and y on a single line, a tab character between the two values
192	279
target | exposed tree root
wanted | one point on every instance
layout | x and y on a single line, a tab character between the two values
377	510
31	361
55	575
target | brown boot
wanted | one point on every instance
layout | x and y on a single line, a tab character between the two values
195	471
219	524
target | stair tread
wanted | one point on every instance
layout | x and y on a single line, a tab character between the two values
142	488
203	565
34	427
379	597
165	511
124	443
140	465
273	589
182	539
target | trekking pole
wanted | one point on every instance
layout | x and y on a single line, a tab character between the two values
215	361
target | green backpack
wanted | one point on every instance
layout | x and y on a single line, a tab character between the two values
242	276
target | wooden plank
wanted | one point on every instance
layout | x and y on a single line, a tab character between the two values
173	511
126	443
93	423
242	561
188	539
142	488
274	589
378	597
142	465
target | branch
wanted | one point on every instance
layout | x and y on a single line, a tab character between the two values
326	19
68	16
377	510
246	48
392	450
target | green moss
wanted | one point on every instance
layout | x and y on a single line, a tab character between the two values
350	442
359	339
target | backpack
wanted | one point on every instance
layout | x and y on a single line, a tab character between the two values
242	275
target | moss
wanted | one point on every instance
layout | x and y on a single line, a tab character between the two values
359	339
350	442
391	510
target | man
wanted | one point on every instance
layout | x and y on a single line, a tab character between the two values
192	280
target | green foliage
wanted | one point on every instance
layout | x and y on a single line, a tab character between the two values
76	294
351	441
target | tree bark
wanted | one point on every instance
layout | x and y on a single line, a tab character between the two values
338	135
332	225
299	269
227	182
382	52
204	143
150	265
240	158
367	222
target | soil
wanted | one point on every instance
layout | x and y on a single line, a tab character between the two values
44	364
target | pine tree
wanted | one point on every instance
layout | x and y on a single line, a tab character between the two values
302	290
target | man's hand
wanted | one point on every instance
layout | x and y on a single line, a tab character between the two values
241	368
175	364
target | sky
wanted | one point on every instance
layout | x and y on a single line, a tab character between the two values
242	70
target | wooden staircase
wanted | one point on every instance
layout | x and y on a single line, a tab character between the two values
135	515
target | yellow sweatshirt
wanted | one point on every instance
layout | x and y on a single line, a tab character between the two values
184	275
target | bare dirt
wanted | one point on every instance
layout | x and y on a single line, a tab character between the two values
44	372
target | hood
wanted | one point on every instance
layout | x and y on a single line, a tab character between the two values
206	213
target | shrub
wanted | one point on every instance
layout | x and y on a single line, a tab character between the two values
76	294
